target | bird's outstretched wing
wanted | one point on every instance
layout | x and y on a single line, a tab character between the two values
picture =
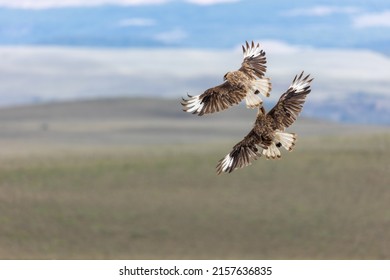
290	104
214	99
242	154
246	83
254	60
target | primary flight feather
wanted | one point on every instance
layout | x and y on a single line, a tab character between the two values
245	83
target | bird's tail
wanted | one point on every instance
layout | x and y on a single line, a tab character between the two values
253	101
272	152
282	139
262	86
286	140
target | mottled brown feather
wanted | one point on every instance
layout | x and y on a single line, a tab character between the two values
254	66
243	153
221	97
290	104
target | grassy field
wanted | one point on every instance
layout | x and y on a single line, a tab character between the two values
102	199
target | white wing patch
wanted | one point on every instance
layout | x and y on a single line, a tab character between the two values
252	50
226	163
299	84
193	104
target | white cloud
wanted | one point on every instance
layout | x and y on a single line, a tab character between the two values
172	36
45	4
280	47
320	11
277	47
210	2
337	72
136	22
57	73
381	19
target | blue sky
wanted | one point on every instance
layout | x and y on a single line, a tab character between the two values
195	23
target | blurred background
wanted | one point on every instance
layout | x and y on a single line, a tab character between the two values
98	161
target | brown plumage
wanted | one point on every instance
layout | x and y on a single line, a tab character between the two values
247	82
268	131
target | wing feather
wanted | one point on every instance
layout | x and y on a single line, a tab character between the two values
254	60
290	104
230	93
242	154
214	99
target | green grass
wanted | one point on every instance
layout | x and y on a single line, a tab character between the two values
328	199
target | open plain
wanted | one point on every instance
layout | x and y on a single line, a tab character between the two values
135	179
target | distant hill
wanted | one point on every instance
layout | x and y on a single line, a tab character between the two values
357	108
130	121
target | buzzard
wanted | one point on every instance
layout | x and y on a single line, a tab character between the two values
247	82
268	131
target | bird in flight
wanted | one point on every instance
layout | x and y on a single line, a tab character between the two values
268	132
244	83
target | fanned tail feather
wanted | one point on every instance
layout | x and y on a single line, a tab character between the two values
253	101
263	86
272	152
282	139
287	140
